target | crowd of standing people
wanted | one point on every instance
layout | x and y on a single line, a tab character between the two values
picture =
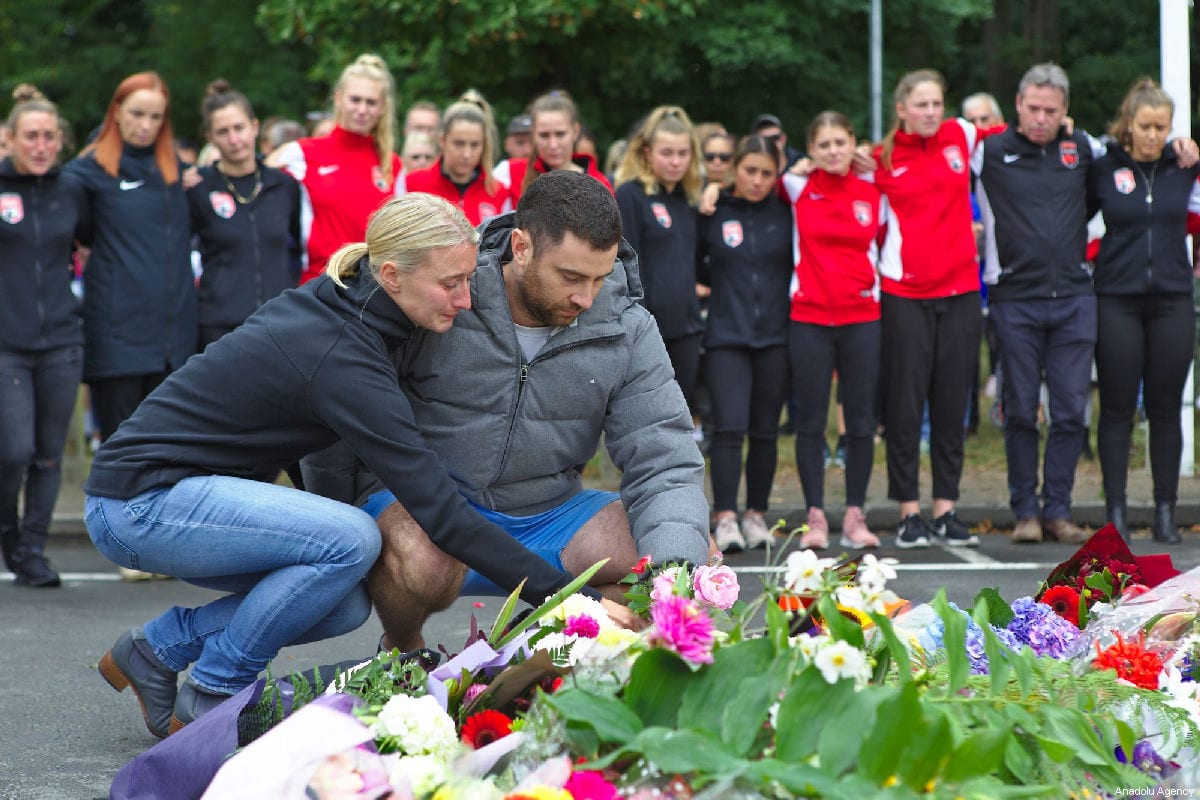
701	275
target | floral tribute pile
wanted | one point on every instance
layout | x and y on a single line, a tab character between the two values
826	685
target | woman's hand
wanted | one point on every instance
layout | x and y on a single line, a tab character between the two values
803	167
622	616
1186	152
863	162
708	199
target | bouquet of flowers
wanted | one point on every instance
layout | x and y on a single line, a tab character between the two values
811	689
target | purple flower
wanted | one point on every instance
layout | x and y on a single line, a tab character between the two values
1036	625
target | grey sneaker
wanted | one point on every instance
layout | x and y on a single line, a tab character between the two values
729	538
755	532
131	662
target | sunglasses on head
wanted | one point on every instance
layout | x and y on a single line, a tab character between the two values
718	156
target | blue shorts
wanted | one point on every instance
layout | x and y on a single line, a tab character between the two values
544	534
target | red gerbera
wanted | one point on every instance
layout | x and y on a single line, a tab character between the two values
485	727
1131	661
1065	602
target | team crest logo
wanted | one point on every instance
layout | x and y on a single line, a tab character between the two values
731	233
377	179
1068	154
486	210
661	214
954	158
12	208
1124	180
862	212
222	204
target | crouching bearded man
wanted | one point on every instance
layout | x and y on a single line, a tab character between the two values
554	353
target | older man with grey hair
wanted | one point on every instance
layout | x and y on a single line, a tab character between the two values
982	109
1033	197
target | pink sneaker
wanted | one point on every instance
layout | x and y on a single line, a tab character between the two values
817	535
855	533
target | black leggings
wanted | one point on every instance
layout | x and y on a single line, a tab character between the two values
1143	339
685	360
815	352
115	399
746	390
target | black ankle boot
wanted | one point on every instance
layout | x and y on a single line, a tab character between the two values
1164	530
1118	515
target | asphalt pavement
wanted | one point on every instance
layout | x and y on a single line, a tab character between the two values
65	732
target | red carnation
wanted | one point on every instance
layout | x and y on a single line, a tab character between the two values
640	567
1065	602
485	727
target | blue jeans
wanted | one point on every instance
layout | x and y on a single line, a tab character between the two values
294	563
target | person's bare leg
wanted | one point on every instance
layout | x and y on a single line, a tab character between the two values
412	579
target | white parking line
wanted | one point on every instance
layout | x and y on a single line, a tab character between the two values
95	577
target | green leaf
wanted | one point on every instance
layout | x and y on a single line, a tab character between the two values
608	716
997	654
981	753
686	751
895	649
928	752
896	721
552	603
777	624
999	612
803	712
711	693
838	626
1023	664
1056	750
802	780
841	740
954	639
743	717
656	687
1018	759
1076	730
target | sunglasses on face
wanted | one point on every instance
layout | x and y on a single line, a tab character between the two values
723	157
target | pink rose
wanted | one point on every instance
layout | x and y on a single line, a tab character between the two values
664	584
717	586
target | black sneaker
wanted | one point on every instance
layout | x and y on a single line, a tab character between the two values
33	570
912	532
953	532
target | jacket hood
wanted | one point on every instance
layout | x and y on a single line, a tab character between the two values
367	300
626	280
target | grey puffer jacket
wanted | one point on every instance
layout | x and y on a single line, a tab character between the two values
513	433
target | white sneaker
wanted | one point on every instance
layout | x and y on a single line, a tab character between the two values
728	537
756	532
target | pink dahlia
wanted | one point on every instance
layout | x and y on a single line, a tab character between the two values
682	626
583	626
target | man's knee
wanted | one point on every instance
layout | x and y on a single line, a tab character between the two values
606	535
412	564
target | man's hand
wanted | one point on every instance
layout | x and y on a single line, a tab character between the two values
803	167
191	177
622	616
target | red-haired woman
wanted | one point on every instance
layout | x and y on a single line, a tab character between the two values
139	307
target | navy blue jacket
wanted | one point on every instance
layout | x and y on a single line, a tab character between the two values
745	255
662	229
310	367
246	249
1145	244
40	218
139	292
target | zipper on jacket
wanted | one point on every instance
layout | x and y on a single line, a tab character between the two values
258	267
38	268
1149	236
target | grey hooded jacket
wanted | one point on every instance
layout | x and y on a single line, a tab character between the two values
513	433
